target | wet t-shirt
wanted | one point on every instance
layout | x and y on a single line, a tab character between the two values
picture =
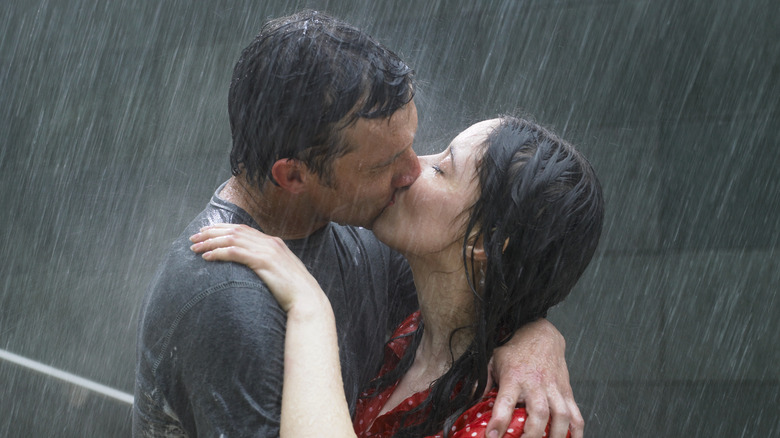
211	336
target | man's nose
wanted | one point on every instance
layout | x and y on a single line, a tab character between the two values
408	171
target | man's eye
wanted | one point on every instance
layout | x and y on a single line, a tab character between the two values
437	169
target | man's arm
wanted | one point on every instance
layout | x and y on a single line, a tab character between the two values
531	369
226	362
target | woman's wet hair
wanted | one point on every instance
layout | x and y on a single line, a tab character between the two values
302	80
539	216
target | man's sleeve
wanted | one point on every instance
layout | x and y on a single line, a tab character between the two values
227	363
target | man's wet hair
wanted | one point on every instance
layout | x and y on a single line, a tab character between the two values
303	79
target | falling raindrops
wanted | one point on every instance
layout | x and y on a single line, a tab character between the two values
115	134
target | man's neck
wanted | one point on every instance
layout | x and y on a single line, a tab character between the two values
277	212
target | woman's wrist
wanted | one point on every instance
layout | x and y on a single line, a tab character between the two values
308	310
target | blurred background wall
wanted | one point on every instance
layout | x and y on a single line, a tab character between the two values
114	135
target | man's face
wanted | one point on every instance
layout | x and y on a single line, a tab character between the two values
365	180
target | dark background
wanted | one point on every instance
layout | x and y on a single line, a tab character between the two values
114	128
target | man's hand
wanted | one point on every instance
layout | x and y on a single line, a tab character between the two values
531	369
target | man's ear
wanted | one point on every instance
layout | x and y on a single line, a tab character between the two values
290	174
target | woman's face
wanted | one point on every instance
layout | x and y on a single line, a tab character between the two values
430	217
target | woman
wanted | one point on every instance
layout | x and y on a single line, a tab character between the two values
497	229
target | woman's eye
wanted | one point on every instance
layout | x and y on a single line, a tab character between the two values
437	169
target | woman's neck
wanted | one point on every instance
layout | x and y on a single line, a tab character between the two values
446	309
446	305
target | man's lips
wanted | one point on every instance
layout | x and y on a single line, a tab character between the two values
390	203
393	198
396	194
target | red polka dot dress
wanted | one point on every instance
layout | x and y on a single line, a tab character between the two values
472	423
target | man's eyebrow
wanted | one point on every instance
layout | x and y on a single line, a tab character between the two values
452	157
390	160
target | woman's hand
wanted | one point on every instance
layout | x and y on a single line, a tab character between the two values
282	271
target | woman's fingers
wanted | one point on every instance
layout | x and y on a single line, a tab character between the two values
268	256
212	244
230	254
226	235
219	230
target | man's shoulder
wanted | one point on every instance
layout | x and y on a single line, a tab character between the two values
197	318
183	279
183	268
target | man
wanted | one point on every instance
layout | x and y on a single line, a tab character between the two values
323	121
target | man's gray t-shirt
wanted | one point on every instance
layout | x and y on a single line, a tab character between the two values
211	336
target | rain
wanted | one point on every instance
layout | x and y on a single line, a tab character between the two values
115	134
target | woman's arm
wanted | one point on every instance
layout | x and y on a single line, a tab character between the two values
313	400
